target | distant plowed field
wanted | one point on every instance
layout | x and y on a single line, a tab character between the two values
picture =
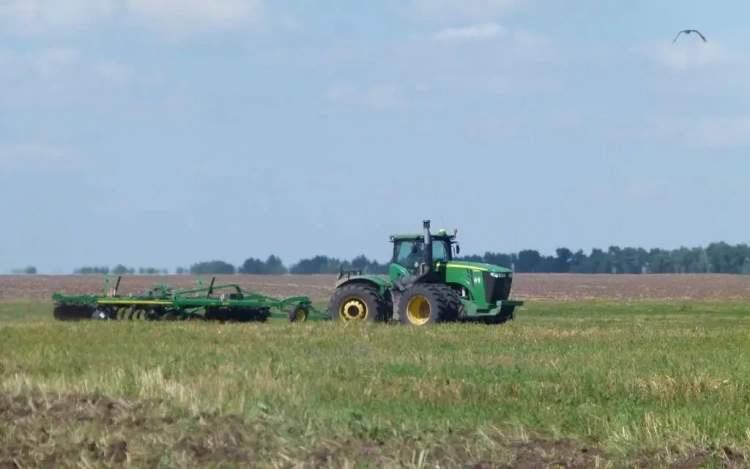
318	287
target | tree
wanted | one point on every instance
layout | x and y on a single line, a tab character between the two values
252	266
91	270
122	270
274	266
271	266
214	267
717	257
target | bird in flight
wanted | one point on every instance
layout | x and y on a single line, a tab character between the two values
688	31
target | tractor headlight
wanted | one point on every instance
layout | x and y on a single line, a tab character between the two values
499	275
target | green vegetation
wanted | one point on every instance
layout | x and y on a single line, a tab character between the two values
580	383
717	257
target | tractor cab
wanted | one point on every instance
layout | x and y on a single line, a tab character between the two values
409	255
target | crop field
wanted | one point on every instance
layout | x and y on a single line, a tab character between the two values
595	371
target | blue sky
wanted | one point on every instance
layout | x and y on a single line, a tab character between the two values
165	132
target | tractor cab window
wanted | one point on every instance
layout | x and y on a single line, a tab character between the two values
440	250
406	257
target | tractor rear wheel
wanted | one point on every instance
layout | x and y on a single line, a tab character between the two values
358	302
427	303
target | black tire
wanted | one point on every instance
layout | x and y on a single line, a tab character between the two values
72	312
454	304
462	313
196	317
364	298
262	315
441	301
298	314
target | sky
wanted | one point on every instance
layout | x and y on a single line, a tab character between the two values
166	132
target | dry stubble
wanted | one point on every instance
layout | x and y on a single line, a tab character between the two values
319	287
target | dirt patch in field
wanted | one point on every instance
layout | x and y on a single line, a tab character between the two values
676	458
64	431
319	287
651	286
73	430
41	287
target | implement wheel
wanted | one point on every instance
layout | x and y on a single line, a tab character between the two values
298	314
428	304
358	302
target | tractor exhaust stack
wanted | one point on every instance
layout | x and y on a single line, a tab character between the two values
427	247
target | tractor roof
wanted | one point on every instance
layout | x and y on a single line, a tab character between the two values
409	236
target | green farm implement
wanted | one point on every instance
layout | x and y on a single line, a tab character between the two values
426	285
224	303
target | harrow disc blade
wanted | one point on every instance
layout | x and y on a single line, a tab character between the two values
63	312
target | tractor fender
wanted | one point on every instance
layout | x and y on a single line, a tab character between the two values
380	283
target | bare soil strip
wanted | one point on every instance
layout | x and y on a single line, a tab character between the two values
61	431
319	287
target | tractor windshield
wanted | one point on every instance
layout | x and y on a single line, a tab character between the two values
440	250
405	256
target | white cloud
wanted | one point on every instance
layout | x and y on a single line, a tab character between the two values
60	64
486	58
462	10
380	97
479	31
701	133
53	62
695	76
38	17
501	48
174	17
36	156
44	64
185	16
470	50
687	53
704	132
114	72
51	77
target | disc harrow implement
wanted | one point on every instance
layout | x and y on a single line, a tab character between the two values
223	303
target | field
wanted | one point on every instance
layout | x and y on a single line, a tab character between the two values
526	286
596	371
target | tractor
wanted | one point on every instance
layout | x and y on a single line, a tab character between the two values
425	286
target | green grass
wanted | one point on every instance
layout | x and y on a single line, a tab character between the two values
588	383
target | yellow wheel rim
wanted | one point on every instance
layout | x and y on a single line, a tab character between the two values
418	310
301	315
354	309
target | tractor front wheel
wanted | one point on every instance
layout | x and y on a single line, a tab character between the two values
428	304
358	302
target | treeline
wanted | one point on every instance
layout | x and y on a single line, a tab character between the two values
717	257
120	270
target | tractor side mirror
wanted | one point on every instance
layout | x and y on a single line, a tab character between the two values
458	249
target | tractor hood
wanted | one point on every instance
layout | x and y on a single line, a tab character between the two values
474	265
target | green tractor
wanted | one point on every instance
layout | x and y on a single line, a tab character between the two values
425	286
